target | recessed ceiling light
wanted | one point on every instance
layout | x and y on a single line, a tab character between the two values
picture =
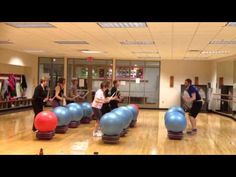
90	51
223	42
231	24
30	24
6	42
54	60
71	42
137	42
214	52
122	24
33	51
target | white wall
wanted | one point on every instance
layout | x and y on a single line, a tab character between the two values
225	70
181	70
20	63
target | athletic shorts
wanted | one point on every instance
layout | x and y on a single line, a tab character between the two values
196	108
97	113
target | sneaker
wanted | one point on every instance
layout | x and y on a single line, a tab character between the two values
95	133
99	133
192	132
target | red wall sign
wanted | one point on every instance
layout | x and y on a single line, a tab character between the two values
90	59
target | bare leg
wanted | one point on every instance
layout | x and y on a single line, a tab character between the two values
96	125
193	122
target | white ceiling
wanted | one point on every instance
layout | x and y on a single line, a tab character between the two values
172	40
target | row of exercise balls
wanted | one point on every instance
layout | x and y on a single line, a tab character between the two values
47	121
119	119
175	120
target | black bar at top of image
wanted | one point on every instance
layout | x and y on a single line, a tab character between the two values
119	11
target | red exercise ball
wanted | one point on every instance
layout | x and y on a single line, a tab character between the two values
45	121
135	106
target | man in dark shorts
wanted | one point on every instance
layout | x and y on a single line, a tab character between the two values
196	100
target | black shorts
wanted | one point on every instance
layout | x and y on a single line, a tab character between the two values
97	113
196	108
105	108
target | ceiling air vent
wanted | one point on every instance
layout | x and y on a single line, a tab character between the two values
30	24
122	24
194	51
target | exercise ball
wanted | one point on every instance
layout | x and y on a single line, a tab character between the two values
76	111
87	109
110	124
135	106
134	111
127	112
63	115
175	121
176	108
45	121
121	114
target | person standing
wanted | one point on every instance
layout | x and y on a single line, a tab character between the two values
99	100
196	100
106	106
40	97
115	90
73	95
58	96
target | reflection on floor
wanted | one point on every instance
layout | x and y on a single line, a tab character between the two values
216	136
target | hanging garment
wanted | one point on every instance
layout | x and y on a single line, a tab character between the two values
18	89
12	85
4	91
23	82
12	82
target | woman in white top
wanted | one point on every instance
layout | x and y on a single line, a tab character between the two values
99	100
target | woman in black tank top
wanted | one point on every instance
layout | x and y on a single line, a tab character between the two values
58	95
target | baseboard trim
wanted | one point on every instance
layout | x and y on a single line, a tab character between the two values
3	112
222	114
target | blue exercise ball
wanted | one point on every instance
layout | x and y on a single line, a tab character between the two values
127	112
110	124
177	108
121	114
76	111
63	115
175	121
87	109
134	111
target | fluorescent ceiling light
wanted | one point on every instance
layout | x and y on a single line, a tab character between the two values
90	51
122	24
223	42
231	24
33	51
6	42
214	52
137	43
146	52
30	24
70	42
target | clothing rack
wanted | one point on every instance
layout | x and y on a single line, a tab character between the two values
18	102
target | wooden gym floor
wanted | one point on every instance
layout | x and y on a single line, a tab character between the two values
216	136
